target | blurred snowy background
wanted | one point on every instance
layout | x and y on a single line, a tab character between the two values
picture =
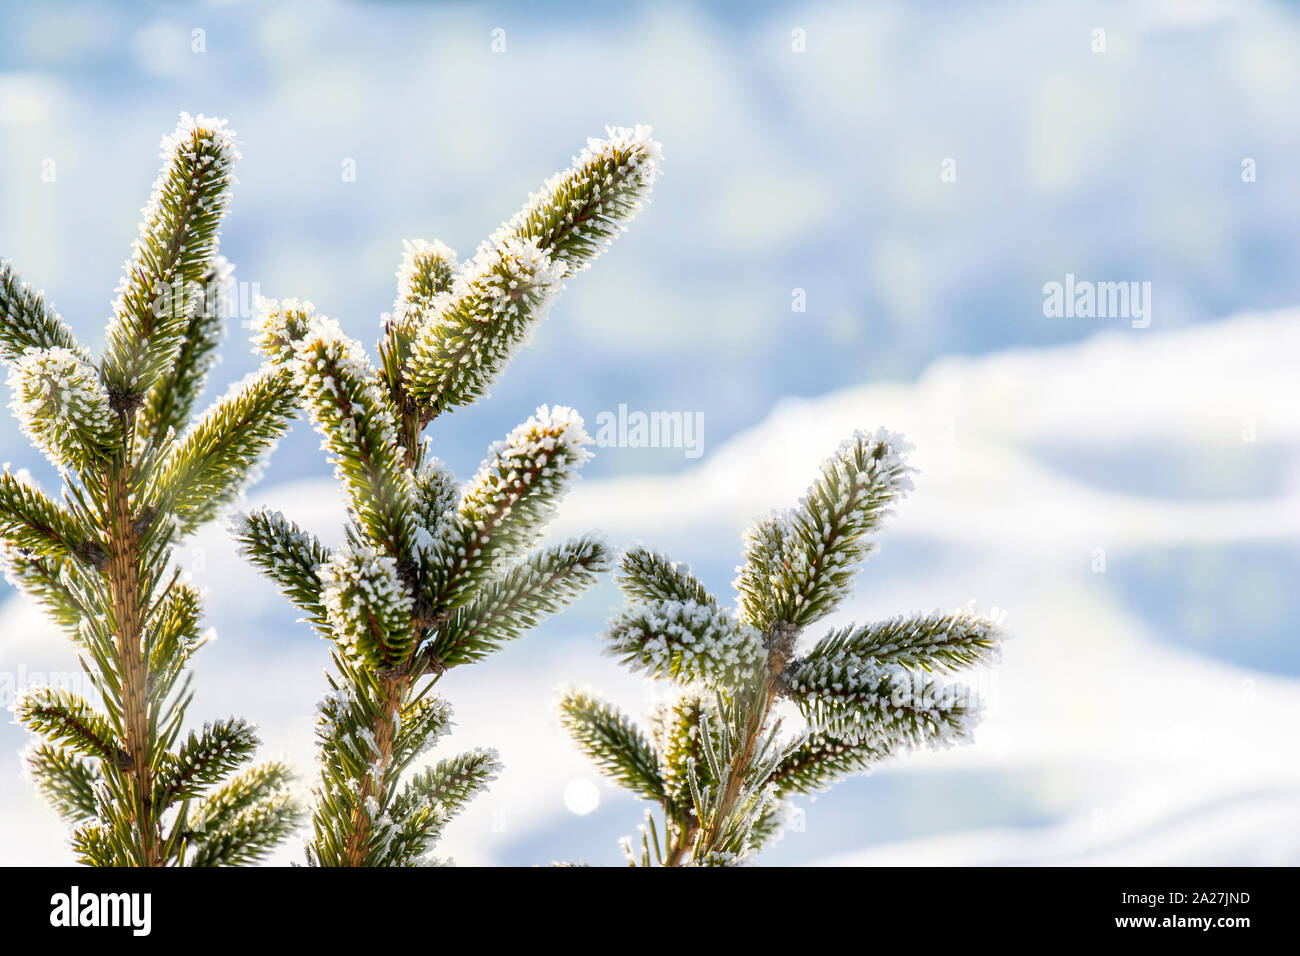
1129	497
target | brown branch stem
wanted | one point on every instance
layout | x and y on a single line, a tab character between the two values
392	691
780	644
124	587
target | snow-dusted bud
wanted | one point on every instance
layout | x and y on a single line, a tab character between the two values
424	281
62	406
368	606
278	327
436	495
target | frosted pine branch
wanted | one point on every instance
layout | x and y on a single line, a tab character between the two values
799	563
248	835
64	779
431	798
44	581
496	301
504	507
367	604
648	576
935	641
62	407
137	475
287	554
206	757
66	719
424	722
359	429
28	322
725	764
32	523
161	287
169	405
433	574
865	702
614	743
208	467
578	212
685	640
175	632
818	760
450	783
504	290
256	785
503	609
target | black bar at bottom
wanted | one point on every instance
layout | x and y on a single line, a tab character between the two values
943	907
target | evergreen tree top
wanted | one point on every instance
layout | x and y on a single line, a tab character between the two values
433	573
141	470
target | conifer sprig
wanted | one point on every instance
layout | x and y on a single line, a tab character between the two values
430	574
197	475
718	763
27	322
137	788
498	296
162	288
359	428
168	406
290	556
518	599
35	525
615	744
63	408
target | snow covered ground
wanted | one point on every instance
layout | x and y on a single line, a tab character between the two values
1132	502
